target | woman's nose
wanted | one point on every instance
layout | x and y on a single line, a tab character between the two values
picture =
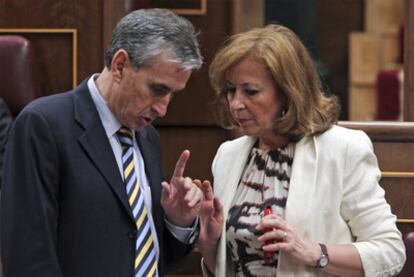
236	102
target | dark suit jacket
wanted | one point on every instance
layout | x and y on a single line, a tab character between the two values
64	209
5	124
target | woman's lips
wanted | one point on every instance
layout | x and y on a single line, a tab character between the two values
243	121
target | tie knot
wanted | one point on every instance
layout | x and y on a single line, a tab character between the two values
125	137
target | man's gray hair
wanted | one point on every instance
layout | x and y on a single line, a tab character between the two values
147	33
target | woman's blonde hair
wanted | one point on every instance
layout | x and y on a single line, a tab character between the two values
306	109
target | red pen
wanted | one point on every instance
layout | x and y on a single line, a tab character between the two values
268	255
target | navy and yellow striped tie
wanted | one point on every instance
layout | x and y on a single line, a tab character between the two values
145	257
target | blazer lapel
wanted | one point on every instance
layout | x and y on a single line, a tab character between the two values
95	143
302	183
228	176
237	164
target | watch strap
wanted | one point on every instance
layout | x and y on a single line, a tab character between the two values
324	258
324	249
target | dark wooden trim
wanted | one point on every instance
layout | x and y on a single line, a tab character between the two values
113	11
52	31
409	61
384	131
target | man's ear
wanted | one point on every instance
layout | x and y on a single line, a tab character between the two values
120	61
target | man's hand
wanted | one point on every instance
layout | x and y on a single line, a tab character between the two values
181	198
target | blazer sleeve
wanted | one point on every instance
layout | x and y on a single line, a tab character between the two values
29	199
369	216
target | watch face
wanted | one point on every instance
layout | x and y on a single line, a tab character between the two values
323	261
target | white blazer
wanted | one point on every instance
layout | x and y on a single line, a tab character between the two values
334	197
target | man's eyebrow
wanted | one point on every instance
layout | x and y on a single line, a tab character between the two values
159	86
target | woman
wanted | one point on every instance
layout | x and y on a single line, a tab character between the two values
296	195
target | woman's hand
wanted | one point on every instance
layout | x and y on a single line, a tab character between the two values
211	216
285	239
211	224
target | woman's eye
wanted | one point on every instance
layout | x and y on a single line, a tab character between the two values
229	90
251	92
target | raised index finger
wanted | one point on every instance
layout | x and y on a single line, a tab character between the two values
180	165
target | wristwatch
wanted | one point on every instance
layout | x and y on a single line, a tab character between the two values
323	260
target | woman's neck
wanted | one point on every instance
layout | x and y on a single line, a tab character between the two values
273	142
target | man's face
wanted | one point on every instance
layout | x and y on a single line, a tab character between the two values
138	97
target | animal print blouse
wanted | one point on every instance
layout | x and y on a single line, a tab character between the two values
265	182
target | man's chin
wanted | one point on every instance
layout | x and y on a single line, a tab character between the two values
140	125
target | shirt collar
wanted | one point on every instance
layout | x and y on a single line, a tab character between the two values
109	121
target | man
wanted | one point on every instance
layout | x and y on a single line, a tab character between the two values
82	192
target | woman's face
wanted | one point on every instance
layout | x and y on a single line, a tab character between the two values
253	99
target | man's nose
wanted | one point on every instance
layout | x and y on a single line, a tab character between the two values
160	106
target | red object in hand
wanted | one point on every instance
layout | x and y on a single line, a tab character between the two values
268	255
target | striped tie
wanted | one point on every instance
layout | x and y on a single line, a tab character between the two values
145	258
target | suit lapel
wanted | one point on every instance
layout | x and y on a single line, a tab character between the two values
96	145
152	168
147	152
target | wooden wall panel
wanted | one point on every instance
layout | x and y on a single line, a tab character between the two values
189	267
54	54
201	141
398	156
402	203
55	50
394	147
336	20
113	10
192	106
409	61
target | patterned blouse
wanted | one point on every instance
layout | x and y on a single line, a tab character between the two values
265	182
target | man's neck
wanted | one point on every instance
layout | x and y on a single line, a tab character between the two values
103	83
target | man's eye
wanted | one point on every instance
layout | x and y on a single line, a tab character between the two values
159	91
